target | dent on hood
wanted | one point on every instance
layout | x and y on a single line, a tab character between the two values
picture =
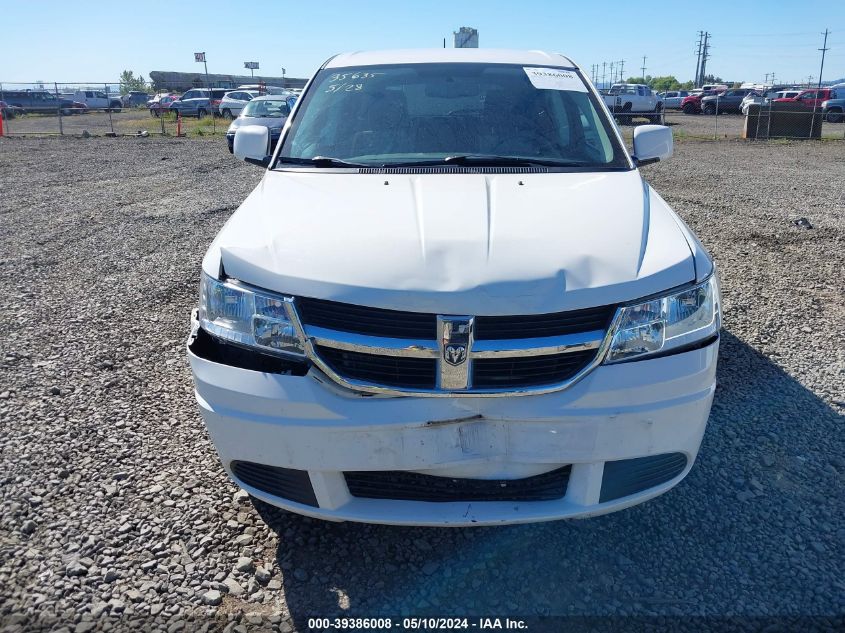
455	244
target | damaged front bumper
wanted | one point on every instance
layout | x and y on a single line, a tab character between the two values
622	435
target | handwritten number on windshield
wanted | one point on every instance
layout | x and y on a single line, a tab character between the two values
356	75
345	87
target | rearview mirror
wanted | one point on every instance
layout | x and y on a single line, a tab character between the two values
652	143
252	144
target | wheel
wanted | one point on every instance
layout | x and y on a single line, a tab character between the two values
835	116
66	111
154	112
115	109
227	114
709	109
201	113
689	108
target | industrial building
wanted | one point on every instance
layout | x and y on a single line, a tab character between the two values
180	81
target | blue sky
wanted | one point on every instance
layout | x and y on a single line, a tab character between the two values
89	41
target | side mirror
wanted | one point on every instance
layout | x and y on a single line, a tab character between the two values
252	144
651	144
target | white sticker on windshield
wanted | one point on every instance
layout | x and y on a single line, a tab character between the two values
555	79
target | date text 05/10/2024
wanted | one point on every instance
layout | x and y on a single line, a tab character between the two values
416	624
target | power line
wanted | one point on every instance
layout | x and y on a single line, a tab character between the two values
823	49
704	57
698	60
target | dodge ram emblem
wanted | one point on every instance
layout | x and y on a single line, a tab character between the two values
455	354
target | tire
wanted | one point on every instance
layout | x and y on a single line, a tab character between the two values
835	116
201	113
227	114
709	109
154	113
689	108
66	111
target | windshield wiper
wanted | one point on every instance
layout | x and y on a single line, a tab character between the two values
488	160
320	161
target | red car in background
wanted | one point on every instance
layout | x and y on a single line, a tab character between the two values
810	99
160	104
692	103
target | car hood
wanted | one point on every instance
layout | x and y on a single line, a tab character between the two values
271	122
456	243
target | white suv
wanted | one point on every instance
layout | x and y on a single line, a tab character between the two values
453	300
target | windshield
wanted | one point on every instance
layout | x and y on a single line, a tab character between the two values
400	114
266	109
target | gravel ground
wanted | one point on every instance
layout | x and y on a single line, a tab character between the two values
116	513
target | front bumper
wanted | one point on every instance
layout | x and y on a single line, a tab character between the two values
308	423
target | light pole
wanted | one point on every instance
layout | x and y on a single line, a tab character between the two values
200	57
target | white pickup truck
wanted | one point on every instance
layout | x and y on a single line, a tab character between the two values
626	100
99	100
452	299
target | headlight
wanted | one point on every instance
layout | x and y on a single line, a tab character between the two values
247	317
667	323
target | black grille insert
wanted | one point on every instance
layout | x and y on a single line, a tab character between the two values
408	486
392	371
346	317
286	483
527	371
537	325
629	476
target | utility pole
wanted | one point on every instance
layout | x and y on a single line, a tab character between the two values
823	49
603	72
612	73
704	56
621	71
698	60
644	58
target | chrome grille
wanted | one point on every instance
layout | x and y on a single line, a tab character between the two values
390	351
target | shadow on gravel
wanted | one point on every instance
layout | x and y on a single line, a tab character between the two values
752	530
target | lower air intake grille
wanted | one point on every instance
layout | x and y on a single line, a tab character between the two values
629	476
407	486
392	371
287	483
527	371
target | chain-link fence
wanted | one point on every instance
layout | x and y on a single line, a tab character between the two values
96	109
761	119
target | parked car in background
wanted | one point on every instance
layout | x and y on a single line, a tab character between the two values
672	98
134	99
369	346
691	104
810	99
727	101
98	100
271	111
264	90
834	109
626	100
233	102
160	104
39	101
199	102
8	111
